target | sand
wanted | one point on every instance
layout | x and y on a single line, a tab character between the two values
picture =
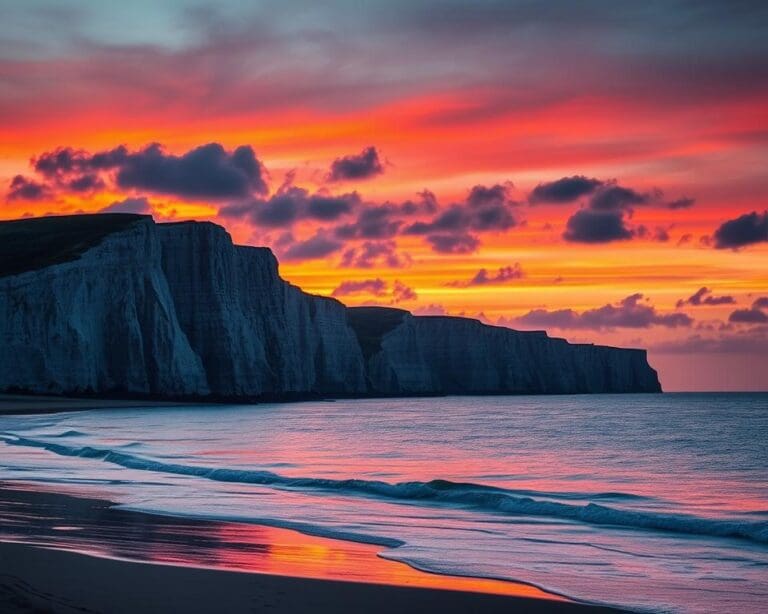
42	404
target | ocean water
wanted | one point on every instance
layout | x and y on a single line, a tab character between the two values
652	502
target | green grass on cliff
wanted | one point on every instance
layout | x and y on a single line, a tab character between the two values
36	243
371	324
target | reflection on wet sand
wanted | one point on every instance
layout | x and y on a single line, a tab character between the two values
92	526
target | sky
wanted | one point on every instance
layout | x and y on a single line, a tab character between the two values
594	169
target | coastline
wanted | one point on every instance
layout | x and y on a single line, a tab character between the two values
82	554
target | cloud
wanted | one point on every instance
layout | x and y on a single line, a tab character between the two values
373	222
22	188
433	309
744	230
704	296
402	293
604	217
627	313
208	171
563	190
588	226
613	197
85	183
320	245
205	172
750	341
377	287
129	205
748	316
66	161
681	203
483	278
291	204
360	166
453	244
483	196
450	231
760	303
374	253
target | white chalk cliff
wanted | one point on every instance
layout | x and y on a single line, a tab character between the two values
131	307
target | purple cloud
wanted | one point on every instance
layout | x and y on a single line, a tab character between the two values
627	313
360	166
704	296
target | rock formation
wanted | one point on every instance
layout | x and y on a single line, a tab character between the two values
115	304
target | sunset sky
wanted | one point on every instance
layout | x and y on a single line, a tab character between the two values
595	169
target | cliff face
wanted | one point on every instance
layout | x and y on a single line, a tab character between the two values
102	322
178	310
427	354
254	332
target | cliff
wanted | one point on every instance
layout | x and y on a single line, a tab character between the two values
117	304
428	354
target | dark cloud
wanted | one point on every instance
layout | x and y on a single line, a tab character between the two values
482	196
129	205
85	183
681	203
613	197
453	243
373	222
208	171
588	226
374	254
360	166
563	190
318	246
627	313
704	296
290	205
748	316
744	230
22	188
377	287
760	303
484	278
486	209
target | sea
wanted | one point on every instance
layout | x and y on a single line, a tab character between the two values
651	502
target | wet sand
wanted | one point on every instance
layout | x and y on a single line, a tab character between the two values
64	554
41	404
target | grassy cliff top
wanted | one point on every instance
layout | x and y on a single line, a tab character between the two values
36	243
371	324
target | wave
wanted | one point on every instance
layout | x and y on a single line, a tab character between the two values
478	497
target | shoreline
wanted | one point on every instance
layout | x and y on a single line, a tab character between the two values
83	553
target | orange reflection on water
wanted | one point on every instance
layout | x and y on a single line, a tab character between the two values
269	550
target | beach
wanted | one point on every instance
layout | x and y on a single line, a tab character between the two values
20	404
72	554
